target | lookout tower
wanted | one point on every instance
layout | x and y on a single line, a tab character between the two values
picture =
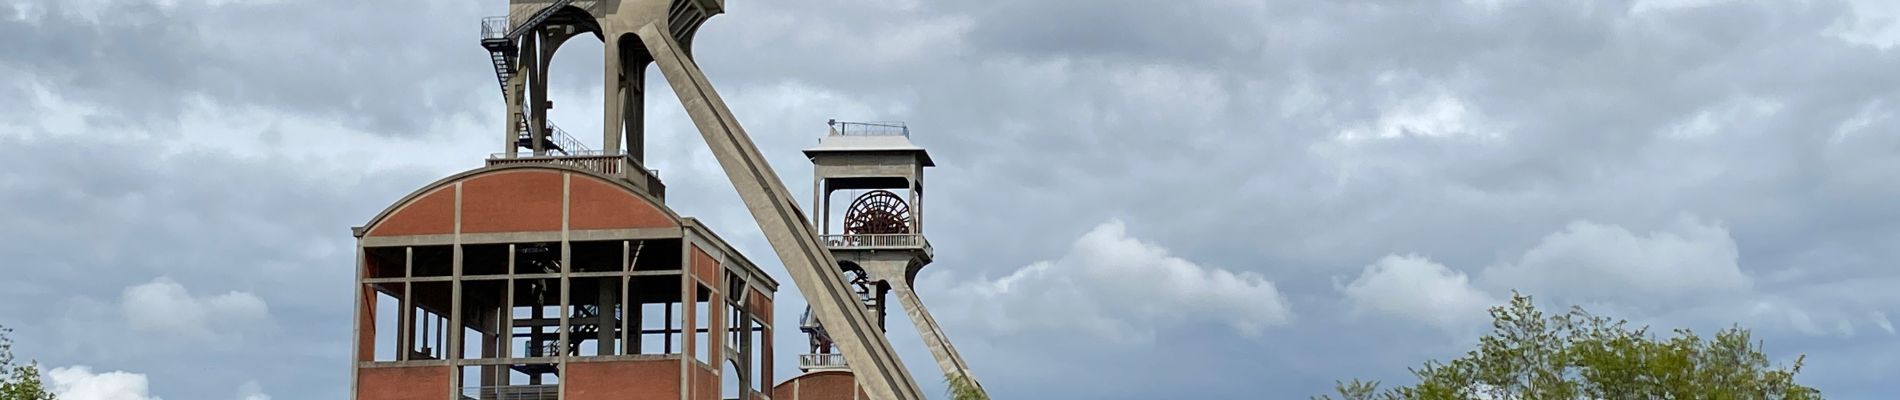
876	233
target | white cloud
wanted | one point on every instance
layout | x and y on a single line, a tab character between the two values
1117	288
1875	22
1592	261
1436	115
164	306
252	391
1688	266
1420	289
80	383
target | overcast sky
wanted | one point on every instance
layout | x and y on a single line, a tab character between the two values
1135	199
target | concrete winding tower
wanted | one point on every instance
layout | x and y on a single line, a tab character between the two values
878	236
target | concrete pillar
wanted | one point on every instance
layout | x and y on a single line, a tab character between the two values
824	210
491	344
917	208
405	341
630	319
745	377
635	109
507	320
604	320
538	93
614	90
510	133
817	205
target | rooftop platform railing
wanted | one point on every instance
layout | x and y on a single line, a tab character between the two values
841	128
616	165
816	362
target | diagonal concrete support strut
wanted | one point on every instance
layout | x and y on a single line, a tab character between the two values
811	266
947	357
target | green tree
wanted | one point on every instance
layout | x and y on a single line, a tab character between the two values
963	388
1578	355
19	382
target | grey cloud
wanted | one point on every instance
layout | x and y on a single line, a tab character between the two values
361	62
1214	128
90	220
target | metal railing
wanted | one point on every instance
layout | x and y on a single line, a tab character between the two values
495	28
820	361
618	165
568	143
595	161
840	128
558	137
525	392
899	240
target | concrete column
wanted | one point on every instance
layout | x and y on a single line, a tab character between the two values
630	312
817	204
630	318
512	131
507	320
567	284
604	320
634	108
491	343
452	348
745	350
405	341
614	90
917	210
824	209
538	93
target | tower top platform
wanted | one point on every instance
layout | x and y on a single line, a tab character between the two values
869	137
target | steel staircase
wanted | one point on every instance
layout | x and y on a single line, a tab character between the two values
503	43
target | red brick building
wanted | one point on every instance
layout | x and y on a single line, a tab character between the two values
555	277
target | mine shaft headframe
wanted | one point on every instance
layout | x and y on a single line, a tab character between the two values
658	33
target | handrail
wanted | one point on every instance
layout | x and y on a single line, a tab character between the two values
617	165
594	160
538	17
891	128
567	142
495	28
821	361
897	240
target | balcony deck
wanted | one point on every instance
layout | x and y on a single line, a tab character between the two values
902	241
